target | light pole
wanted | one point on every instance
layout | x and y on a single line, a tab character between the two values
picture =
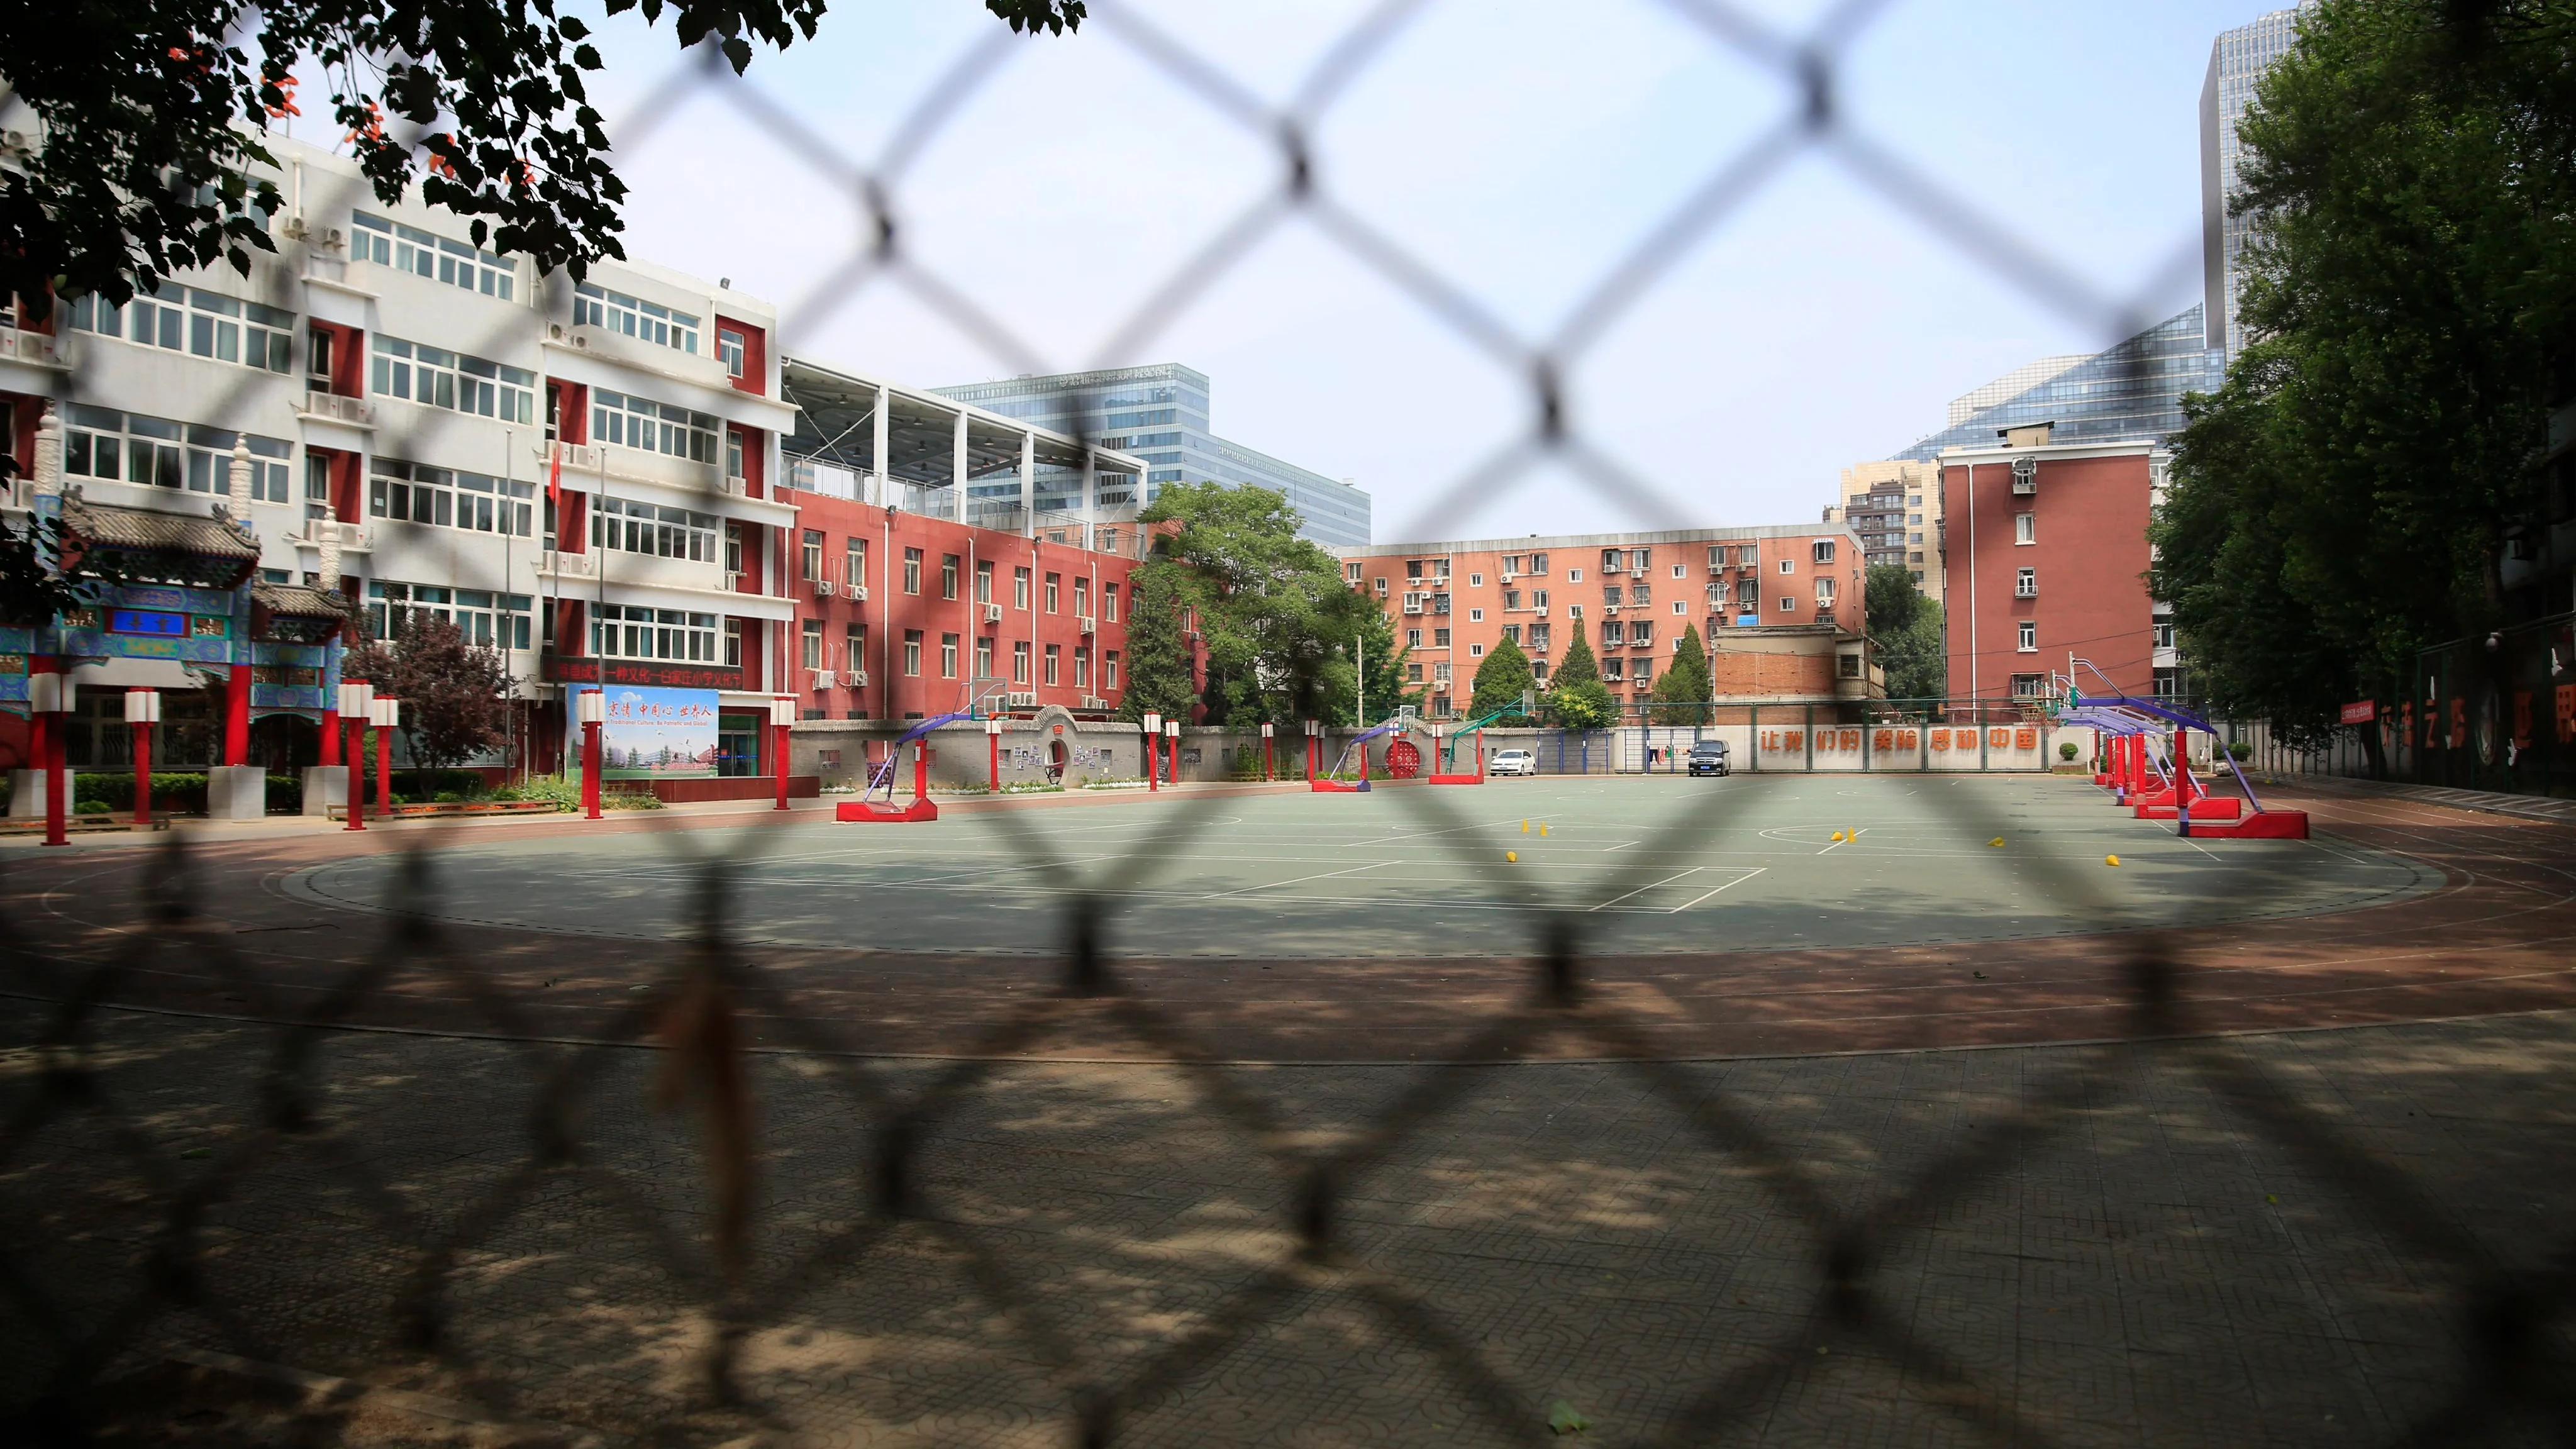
53	694
591	707
142	712
1153	752
782	716
383	714
357	704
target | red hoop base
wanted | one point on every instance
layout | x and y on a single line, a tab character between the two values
1455	779
881	812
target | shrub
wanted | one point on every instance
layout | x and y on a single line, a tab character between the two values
628	800
182	793
448	797
2240	750
92	807
285	794
562	793
2066	750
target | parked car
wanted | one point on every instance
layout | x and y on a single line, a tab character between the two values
1511	762
1708	757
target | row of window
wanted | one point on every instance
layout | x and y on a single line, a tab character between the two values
636	527
389	243
816	654
448	498
132	448
185	319
596	306
854	565
651	427
631	631
487	619
435	377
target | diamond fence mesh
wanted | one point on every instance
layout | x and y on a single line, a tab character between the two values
730	1199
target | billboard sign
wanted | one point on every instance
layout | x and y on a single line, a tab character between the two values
658	734
2361	713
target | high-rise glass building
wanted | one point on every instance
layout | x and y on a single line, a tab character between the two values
2125	393
1160	414
2237	60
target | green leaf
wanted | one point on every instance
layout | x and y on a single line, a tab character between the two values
1564	1418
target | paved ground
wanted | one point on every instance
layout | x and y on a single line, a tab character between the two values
2272	1238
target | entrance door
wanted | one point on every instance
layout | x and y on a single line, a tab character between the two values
738	744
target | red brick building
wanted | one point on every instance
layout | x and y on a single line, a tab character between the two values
902	616
2045	556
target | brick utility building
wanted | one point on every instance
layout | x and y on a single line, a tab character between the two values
2045	552
1779	606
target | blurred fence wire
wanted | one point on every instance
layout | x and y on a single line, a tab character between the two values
810	1163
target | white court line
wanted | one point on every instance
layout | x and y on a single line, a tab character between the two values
1849	837
1299	880
1730	885
1667	880
1622	845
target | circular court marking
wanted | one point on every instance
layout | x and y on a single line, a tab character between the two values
1669	865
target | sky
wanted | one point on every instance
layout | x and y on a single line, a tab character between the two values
1508	154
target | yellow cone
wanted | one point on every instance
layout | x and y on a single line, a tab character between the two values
1513	856
2110	860
1838	835
1524	827
1542	827
1998	840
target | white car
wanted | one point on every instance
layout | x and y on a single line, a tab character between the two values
1511	762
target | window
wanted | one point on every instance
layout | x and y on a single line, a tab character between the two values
1641	594
1538	670
1511	599
184	319
813	644
595	306
948	656
733	459
1574	576
912	652
1641	633
651	427
1109	610
1020	662
1412	638
2164	634
1020	588
2025	528
732	641
449	499
1054	589
1082	666
639	527
1748	596
1641	672
1475	581
984	658
435	377
1824	593
2025	583
729	348
409	249
984	581
2026	686
1824	550
627	631
1614	670
1081	596
2029	643
1681	606
1788	566
732	541
1475	651
1351	571
948	576
813	554
854	560
487	620
1612	596
1439	638
854	647
1440	674
1788	605
1109	670
1413	674
1612	633
912	572
1381	588
1054	657
1748	555
1847	666
1538	637
1475	616
1512	632
100	443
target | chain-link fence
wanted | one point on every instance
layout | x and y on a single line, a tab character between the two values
1509	1157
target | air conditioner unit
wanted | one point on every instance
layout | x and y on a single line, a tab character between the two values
1612	610
822	588
992	613
1094	702
1541	611
1021	701
858	592
1084	623
856	679
822	678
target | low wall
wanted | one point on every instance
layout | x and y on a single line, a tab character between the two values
726	787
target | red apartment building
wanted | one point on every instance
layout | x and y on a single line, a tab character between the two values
1772	604
2045	556
902	616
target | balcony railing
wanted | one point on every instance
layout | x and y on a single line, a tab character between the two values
339	409
35	347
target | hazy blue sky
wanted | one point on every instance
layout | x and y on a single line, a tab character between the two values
1518	149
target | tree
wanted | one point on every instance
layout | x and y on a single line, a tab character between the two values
1681	696
1905	625
1501	680
1158	656
150	118
2346	498
1576	697
455	694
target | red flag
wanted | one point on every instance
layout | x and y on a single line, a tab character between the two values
554	478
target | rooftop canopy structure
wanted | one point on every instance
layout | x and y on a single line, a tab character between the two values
880	442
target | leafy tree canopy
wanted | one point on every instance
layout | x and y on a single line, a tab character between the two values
1576	697
455	694
1502	677
1159	673
2345	498
1681	696
1906	626
150	115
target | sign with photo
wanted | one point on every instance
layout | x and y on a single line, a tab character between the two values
658	734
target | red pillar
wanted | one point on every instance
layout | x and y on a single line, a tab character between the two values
920	771
357	811
142	773
1265	753
994	766
1154	760
384	770
781	732
330	738
56	782
590	768
237	717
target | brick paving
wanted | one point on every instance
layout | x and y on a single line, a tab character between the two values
2148	1270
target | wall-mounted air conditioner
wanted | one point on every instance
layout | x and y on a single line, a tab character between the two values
992	613
1086	624
857	679
822	588
822	678
858	592
1021	701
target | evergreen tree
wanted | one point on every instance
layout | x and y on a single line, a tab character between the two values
1501	680
1681	695
1905	625
1158	654
1576	697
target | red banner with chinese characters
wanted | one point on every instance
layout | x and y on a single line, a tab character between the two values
2362	712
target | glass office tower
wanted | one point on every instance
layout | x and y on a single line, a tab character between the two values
2237	60
2128	393
1160	414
